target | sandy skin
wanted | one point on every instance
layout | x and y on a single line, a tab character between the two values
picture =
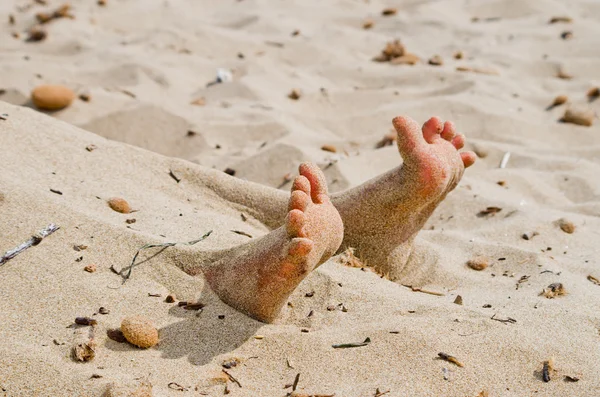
383	215
258	277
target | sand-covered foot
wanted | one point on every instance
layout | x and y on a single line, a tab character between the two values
382	216
258	277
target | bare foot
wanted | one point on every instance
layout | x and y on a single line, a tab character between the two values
383	216
258	277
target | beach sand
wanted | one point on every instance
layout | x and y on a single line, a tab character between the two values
143	63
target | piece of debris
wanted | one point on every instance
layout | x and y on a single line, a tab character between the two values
85	321
458	300
559	100
349	345
419	289
566	225
231	378
584	117
35	34
566	35
593	93
91	148
229	171
450	359
504	161
554	290
103	310
329	148
489	211
571	378
170	298
198	102
529	236
436	60
223	76
55	191
242	233
479	262
562	19
593	279
368	24
562	74
60	12
393	49
389	11
459	55
119	205
84	346
546	368
487	71
52	96
522	280
387	140
193	306
294	94
406	59
139	331
85	97
505	321
91	268
173	175
230	363
34	240
130	221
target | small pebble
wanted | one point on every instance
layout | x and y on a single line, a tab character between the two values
90	268
368	24
593	93
139	331
436	60
566	225
52	97
329	148
479	263
294	94
170	298
584	117
389	11
559	100
120	205
458	300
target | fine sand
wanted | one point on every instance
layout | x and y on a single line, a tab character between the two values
143	63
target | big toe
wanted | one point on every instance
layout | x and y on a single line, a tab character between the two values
318	185
409	134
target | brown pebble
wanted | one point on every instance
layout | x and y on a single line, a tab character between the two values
170	298
116	335
139	331
392	49
406	59
566	35
584	117
562	74
229	171
459	55
294	94
458	300
52	97
119	205
103	310
561	19
329	148
85	321
368	24
85	97
559	100
593	93
102	3
436	60
11	19
36	33
90	268
389	11
130	221
91	148
566	226
479	262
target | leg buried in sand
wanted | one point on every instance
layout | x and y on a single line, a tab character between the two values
258	277
380	218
